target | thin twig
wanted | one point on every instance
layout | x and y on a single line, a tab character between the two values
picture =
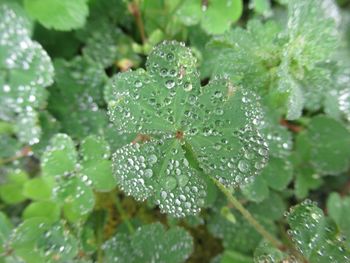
23	153
248	216
135	11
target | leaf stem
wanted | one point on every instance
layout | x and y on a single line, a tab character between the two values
135	11
123	215
23	153
249	217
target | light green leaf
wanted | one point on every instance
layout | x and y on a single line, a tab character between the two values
94	148
11	191
39	188
58	14
220	14
76	196
47	209
60	158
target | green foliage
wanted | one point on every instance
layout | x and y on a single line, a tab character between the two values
150	243
58	14
174	131
290	63
25	71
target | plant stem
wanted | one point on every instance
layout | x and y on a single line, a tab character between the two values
23	153
248	216
123	215
135	11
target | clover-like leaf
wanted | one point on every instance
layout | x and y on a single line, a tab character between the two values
26	70
57	14
217	125
314	235
60	158
95	153
11	187
291	64
150	243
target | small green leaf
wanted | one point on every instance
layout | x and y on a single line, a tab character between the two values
47	209
150	243
77	198
11	192
39	188
257	190
220	14
60	158
58	14
100	174
314	235
94	148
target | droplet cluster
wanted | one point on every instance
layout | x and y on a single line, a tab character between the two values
27	70
313	235
161	171
219	122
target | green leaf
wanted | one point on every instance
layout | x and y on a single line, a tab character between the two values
265	252
150	243
28	232
276	175
233	256
177	118
332	156
257	190
100	174
11	192
76	196
60	158
314	235
58	244
220	14
159	169
5	230
39	188
262	7
26	70
58	14
339	209
37	240
94	148
95	153
47	209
